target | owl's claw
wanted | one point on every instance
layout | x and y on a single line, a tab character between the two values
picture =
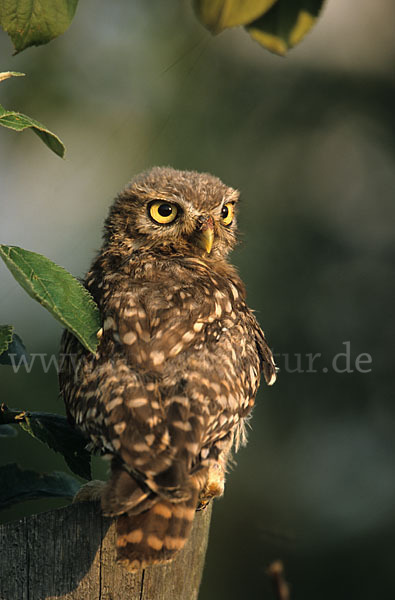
203	504
215	486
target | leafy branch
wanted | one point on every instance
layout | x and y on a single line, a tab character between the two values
276	24
12	347
71	304
35	22
19	122
6	333
57	290
54	431
19	485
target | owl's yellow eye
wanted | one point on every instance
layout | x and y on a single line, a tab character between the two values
227	213
163	212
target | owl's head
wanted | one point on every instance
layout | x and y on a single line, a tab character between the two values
181	211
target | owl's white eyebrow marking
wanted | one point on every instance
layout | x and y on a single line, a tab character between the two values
233	197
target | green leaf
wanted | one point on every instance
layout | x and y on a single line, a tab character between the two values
16	348
6	333
19	122
56	432
217	15
57	290
6	74
19	485
35	22
7	431
285	24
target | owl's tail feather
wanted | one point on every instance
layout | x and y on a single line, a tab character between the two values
124	494
156	534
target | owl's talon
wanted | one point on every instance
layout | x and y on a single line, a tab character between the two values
203	504
215	485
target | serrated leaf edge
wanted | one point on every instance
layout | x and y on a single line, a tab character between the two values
8	339
42	301
34	125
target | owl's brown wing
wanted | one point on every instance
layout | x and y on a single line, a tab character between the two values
268	365
128	397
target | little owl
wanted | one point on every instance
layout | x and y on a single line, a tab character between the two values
179	359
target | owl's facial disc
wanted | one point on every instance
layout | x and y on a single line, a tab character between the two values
205	236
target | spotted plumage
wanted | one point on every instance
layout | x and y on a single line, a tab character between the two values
179	359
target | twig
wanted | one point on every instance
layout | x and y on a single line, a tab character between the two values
8	415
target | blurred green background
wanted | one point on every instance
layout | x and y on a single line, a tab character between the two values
309	142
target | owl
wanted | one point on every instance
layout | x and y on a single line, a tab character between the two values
167	395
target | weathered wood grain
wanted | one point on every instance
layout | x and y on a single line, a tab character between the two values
69	554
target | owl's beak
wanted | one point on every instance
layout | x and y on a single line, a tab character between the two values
205	237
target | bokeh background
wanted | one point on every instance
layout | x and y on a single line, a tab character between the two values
309	141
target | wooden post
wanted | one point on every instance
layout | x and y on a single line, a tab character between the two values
69	554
